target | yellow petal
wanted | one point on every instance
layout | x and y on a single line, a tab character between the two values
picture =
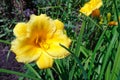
44	61
55	50
41	26
20	30
59	24
25	52
90	6
96	3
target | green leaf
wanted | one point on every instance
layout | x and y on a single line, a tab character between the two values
33	70
78	61
50	73
116	66
108	53
5	41
79	41
17	73
100	41
108	71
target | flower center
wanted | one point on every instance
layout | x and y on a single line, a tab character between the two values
44	45
41	42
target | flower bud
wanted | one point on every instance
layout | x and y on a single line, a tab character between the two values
113	23
108	16
96	13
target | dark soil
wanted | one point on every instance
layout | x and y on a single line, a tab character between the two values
9	63
18	10
11	12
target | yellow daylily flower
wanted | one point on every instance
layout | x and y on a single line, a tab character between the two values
91	6
39	40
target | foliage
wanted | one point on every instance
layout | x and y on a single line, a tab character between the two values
95	48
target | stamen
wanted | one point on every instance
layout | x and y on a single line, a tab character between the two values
44	45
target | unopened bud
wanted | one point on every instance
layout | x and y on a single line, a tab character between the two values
96	13
108	16
113	23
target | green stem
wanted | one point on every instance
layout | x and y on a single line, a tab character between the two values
94	23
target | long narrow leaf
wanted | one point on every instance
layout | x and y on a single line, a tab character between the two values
5	41
78	61
79	41
50	73
30	68
107	74
108	53
17	73
116	66
100	41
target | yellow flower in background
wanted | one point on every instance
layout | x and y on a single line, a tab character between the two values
38	40
90	6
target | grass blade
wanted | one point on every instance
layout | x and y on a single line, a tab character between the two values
50	73
107	74
5	41
79	41
17	73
